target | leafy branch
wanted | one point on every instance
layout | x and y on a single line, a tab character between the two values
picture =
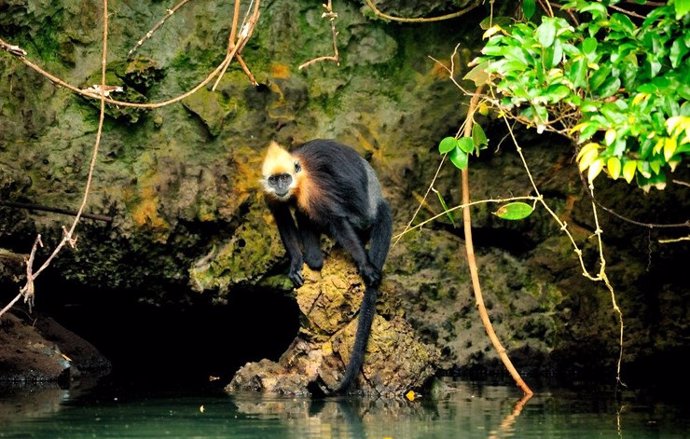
619	90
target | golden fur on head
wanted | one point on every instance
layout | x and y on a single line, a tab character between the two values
278	161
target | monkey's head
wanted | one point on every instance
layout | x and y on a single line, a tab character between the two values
281	173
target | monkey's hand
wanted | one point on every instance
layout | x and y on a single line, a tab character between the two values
295	274
371	275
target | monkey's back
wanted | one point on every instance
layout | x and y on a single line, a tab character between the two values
347	185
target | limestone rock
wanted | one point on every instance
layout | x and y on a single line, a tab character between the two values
396	360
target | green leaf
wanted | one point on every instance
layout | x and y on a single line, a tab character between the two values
609	87
682	8
622	23
589	46
506	67
447	144
498	51
514	211
554	54
557	92
466	144
478	136
458	158
445	207
578	73
546	32
529	7
596	9
599	76
478	74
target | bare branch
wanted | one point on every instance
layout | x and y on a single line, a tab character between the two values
331	16
28	290
459	13
31	206
157	26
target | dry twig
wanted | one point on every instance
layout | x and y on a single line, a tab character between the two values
456	14
157	26
68	237
331	16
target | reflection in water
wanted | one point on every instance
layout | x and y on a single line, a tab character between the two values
18	402
506	427
464	411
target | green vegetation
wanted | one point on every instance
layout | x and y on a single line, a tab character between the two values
616	83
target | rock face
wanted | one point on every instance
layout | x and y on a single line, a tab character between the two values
181	184
45	352
396	360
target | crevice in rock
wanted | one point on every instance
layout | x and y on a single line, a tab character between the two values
179	344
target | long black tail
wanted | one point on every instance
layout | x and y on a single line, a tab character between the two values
380	237
366	316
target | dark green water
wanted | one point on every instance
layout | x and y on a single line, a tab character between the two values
470	411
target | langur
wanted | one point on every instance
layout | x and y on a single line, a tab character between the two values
334	191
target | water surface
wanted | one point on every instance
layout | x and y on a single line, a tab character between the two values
470	410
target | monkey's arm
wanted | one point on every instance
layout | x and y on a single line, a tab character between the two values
347	237
290	237
311	241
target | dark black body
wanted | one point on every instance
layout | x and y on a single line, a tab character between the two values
346	204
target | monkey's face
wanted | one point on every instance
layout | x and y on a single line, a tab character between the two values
281	185
281	173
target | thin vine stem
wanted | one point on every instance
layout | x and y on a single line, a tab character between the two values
472	262
28	290
456	14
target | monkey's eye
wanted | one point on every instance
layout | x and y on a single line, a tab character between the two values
297	167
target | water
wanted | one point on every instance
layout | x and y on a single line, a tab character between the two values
469	411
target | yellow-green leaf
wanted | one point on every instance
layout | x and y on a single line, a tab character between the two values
629	168
595	169
639	98
483	109
514	211
659	146
675	122
670	146
644	169
491	31
445	207
578	127
584	150
613	164
610	136
478	74
587	156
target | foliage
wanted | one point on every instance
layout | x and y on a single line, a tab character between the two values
619	88
458	150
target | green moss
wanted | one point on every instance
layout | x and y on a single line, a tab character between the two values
241	260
